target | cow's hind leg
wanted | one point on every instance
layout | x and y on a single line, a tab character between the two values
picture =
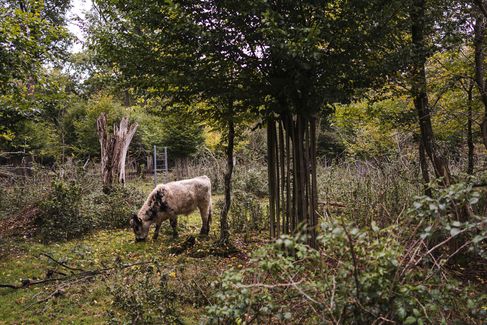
174	225
205	212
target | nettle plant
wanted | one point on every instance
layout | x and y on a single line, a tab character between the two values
452	214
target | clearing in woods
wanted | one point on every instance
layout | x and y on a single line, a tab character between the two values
86	299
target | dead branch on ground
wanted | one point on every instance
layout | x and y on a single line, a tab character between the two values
76	274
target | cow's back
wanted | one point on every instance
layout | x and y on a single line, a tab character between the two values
184	196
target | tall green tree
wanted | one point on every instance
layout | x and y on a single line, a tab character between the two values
419	93
181	51
32	34
281	60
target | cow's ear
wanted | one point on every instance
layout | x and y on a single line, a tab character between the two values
134	220
160	196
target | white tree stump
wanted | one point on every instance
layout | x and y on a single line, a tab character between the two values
114	149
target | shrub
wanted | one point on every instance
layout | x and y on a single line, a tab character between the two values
73	208
251	179
113	210
21	194
359	276
379	191
246	213
60	215
143	296
454	214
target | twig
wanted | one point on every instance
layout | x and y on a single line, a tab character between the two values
28	282
295	285
458	250
354	260
61	263
202	292
84	274
445	241
11	286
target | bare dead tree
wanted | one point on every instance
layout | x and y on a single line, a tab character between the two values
114	149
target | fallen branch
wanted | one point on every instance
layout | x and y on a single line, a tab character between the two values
61	263
82	274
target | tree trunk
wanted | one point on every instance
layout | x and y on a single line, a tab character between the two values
114	150
293	190
314	183
282	184
271	171
289	212
419	92
470	143
224	231
106	146
424	169
479	35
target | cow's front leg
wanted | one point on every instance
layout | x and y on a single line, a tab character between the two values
174	225
156	231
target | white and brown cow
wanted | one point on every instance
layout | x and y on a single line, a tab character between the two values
167	201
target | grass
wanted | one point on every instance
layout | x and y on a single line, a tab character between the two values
88	301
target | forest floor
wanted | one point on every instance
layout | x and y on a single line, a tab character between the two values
88	299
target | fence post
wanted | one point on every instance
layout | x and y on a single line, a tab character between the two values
155	166
165	165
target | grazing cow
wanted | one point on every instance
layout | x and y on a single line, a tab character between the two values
167	201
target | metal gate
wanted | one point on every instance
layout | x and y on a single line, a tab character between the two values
160	159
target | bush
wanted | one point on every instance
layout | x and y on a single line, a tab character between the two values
359	276
60	215
252	180
143	296
111	211
21	193
379	191
246	213
73	208
456	214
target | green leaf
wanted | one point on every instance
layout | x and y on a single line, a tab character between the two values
478	239
401	312
454	231
456	224
410	320
473	200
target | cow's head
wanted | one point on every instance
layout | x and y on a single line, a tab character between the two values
154	205
140	227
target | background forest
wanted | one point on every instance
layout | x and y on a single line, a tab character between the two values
345	141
